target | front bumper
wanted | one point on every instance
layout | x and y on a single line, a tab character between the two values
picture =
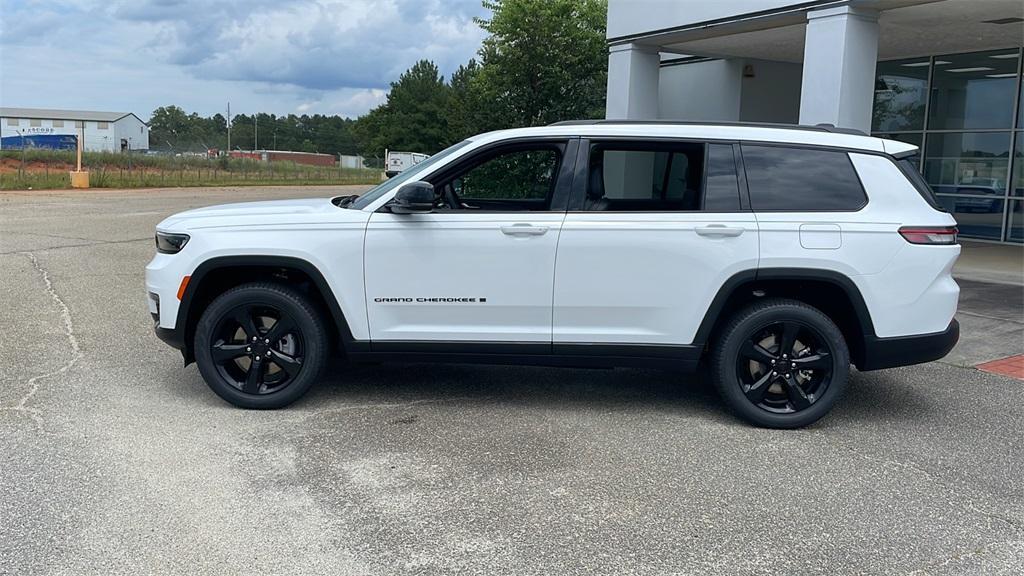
170	336
907	350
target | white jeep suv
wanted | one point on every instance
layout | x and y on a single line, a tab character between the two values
780	255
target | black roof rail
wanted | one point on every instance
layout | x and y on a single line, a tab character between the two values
814	128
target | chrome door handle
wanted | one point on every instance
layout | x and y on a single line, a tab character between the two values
524	230
719	230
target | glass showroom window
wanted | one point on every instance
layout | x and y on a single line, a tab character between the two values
968	171
968	162
963	111
974	91
1015	225
901	89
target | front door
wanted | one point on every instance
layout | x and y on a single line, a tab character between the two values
480	267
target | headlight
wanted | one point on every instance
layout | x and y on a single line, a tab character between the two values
170	243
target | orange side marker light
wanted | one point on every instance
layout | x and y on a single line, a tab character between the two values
184	284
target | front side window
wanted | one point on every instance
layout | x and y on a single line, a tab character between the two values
662	177
515	180
787	179
410	175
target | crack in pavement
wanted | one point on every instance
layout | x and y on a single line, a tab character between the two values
22	406
965	502
96	243
979	551
409	404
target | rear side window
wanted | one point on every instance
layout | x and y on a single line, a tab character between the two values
801	179
662	177
909	167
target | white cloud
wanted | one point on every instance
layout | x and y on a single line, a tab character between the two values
317	56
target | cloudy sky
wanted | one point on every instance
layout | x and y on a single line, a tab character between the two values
275	56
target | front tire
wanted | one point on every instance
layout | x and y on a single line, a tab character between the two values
780	364
261	345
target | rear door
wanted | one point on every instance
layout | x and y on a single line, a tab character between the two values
654	229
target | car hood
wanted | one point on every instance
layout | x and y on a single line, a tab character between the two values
255	213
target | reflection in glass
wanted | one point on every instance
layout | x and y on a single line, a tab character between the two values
968	163
901	87
1015	232
975	216
971	91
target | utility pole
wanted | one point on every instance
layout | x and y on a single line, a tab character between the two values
255	133
21	169
229	127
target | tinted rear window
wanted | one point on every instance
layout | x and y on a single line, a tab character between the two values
801	179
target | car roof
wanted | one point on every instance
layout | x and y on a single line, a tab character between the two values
820	135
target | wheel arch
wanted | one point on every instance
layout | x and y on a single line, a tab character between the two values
212	277
834	293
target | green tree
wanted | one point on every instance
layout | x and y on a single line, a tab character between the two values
544	61
412	118
467	108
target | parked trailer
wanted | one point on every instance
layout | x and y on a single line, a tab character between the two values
397	162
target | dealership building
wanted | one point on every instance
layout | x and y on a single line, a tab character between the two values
944	75
59	129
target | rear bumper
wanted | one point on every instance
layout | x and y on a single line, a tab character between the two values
906	350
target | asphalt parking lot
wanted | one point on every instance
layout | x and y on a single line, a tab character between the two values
116	460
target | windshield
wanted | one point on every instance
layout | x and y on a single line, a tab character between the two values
409	175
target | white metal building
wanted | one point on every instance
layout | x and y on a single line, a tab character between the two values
944	75
104	131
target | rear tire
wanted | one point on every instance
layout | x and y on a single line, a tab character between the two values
780	364
261	345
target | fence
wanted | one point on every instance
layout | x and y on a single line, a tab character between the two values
50	170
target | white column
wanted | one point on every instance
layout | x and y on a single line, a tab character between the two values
633	72
840	51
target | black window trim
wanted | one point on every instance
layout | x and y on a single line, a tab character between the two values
846	153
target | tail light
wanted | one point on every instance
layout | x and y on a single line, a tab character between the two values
936	235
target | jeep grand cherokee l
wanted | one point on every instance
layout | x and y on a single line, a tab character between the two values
779	256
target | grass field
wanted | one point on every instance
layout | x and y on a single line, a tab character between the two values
48	169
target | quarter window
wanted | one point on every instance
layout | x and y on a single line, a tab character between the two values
722	188
801	179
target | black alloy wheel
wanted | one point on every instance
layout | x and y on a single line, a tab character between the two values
780	363
258	349
261	345
784	367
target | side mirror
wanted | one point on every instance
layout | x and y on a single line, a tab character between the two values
413	198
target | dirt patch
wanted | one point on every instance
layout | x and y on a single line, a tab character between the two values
12	165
